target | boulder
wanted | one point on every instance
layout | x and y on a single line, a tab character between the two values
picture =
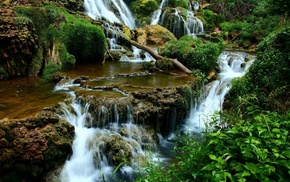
18	43
30	147
153	35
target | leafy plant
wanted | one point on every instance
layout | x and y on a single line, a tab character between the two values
194	53
268	74
252	149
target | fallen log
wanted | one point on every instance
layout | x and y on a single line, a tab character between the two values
156	56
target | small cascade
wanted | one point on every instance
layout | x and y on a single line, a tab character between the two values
138	56
113	35
113	11
104	142
192	25
176	21
156	14
232	65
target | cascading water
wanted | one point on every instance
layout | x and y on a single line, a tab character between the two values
232	65
97	146
113	11
175	21
156	15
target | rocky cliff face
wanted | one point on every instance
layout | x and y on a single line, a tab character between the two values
18	43
30	147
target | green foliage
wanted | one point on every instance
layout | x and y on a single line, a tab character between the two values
194	53
21	22
143	8
255	149
50	69
251	30
280	7
266	84
210	18
67	60
164	64
85	41
176	3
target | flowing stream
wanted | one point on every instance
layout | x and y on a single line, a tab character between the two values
97	147
232	65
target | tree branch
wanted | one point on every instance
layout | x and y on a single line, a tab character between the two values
156	56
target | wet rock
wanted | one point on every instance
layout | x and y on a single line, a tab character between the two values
153	35
18	42
30	147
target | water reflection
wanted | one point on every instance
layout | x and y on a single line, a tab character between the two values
23	97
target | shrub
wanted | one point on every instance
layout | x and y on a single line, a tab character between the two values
210	18
267	79
194	53
254	149
164	64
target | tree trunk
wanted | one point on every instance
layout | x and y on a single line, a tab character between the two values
156	56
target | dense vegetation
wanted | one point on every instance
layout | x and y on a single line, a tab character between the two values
63	34
255	144
193	53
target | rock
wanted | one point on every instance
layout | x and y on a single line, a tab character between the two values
153	35
18	42
30	147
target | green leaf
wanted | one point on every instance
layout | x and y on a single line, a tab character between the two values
212	157
276	130
251	167
246	173
286	153
208	167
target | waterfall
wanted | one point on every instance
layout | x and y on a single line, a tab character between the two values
156	14
175	21
113	11
103	142
231	66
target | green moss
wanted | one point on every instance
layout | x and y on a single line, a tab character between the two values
176	3
68	61
85	41
50	69
143	8
36	62
81	40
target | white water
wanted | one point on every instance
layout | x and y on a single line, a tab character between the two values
156	15
211	100
137	56
192	25
89	161
113	11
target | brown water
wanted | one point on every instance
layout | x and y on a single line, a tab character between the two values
23	97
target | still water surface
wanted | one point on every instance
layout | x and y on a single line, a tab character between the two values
23	97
